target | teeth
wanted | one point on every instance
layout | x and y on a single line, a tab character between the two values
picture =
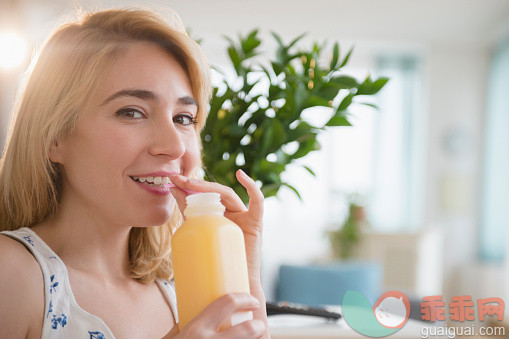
154	180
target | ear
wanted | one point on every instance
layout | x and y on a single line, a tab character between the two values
55	152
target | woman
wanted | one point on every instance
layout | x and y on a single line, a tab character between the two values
113	106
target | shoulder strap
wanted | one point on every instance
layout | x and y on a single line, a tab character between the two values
168	289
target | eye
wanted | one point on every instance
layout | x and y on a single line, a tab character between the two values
130	113
185	119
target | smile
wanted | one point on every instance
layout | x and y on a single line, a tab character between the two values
156	185
154	181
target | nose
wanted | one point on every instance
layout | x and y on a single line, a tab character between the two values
167	140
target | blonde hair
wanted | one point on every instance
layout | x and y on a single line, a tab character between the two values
58	84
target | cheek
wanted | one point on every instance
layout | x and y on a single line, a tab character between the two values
191	158
99	154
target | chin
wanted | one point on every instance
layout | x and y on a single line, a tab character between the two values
152	221
153	215
155	219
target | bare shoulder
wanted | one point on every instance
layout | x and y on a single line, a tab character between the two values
21	291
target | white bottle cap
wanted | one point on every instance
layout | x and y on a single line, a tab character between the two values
203	203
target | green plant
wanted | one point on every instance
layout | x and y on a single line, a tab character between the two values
254	127
345	239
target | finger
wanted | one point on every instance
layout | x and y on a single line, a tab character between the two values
180	196
229	198
255	195
248	329
221	310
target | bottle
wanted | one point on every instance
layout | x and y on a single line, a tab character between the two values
209	259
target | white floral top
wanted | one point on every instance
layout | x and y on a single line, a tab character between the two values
64	318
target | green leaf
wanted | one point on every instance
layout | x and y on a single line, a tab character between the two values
294	41
270	190
338	120
275	93
317	101
301	94
278	39
293	189
379	84
222	167
277	67
290	70
230	41
345	102
278	137
305	147
268	131
301	132
317	48
250	43
269	166
344	82
328	91
347	57
335	56
369	88
234	57
295	55
281	52
309	170
369	104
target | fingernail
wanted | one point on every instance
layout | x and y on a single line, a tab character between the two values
179	177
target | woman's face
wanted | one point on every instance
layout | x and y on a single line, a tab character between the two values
138	124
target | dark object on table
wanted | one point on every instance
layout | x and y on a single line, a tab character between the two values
284	307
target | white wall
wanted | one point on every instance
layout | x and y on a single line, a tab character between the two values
456	83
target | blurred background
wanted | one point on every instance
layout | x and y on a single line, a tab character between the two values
426	177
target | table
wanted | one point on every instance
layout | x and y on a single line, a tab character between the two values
286	326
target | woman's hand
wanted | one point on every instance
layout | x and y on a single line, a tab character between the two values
208	322
250	220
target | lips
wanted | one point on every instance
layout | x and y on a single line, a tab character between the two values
156	174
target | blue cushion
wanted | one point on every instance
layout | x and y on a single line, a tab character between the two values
317	285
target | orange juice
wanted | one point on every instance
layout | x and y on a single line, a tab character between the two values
209	259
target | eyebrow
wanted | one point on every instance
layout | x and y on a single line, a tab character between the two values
148	95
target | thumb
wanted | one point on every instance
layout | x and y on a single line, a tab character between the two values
180	197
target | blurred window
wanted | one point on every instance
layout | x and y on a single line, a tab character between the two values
495	193
382	157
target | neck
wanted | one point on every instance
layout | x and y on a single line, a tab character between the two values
88	242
